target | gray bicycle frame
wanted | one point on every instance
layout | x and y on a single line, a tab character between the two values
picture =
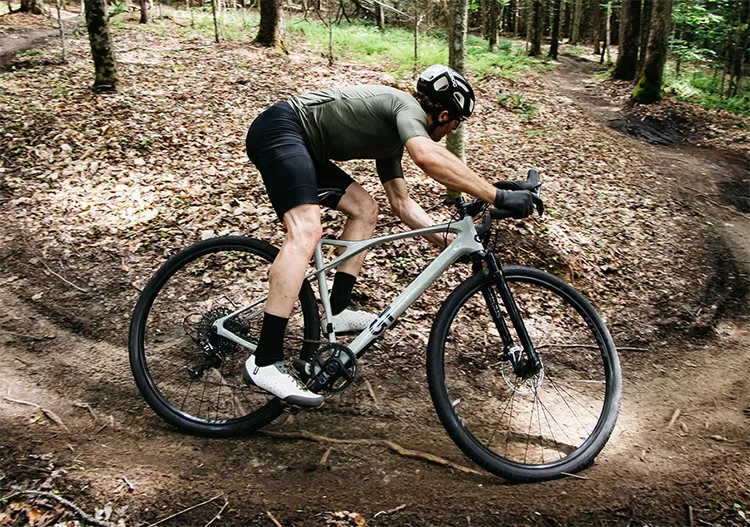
465	242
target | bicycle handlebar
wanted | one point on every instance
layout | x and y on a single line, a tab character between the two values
533	184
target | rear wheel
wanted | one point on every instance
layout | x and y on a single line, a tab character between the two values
191	377
534	428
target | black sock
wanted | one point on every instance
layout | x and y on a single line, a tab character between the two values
271	343
341	294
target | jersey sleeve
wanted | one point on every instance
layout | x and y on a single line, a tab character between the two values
411	121
390	168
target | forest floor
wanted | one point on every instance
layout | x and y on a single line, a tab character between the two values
96	192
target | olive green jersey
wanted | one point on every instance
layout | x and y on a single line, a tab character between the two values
361	122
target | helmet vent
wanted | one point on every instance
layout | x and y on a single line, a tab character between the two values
441	84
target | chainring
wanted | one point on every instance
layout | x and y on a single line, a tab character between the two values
334	368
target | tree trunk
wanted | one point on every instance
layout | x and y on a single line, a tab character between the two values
102	49
648	87
457	61
62	30
492	18
216	20
537	27
484	15
627	55
31	6
596	24
416	37
271	32
739	49
381	17
553	47
575	29
144	12
606	32
648	7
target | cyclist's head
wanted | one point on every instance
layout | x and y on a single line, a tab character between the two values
440	88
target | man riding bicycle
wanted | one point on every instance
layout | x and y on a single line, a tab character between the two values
292	144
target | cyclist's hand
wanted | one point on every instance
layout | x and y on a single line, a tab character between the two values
518	203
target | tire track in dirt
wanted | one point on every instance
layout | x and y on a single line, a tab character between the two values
642	462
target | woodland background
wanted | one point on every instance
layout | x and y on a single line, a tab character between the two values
647	214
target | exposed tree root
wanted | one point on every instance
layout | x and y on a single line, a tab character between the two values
304	434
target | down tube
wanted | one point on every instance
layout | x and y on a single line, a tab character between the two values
463	244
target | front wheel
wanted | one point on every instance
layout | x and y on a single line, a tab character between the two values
529	427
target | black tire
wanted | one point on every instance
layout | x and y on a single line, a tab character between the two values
473	388
207	280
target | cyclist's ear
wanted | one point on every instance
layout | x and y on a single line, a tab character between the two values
444	117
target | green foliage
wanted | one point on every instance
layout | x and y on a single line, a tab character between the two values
698	86
515	102
364	42
703	38
117	8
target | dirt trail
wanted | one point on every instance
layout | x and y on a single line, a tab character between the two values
650	472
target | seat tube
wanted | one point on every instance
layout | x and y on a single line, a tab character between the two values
323	288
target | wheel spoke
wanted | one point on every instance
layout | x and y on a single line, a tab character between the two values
175	318
548	418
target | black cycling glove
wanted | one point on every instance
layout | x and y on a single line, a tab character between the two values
518	203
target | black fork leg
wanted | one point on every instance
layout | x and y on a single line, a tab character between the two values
534	363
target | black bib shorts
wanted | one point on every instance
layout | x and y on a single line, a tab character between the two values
276	146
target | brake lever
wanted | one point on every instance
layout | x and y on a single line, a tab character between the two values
538	203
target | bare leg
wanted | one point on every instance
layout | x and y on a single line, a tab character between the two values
362	212
303	231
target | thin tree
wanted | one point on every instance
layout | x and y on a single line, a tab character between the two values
537	28
575	30
648	87
554	44
605	49
102	49
627	49
144	12
216	20
62	29
416	36
739	49
457	60
492	23
648	7
271	32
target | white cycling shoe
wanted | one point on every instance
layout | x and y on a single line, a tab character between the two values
279	382
349	321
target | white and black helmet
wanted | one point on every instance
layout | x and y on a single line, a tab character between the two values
447	88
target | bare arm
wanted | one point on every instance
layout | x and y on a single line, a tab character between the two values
409	210
442	166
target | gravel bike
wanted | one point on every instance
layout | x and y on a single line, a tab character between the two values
522	371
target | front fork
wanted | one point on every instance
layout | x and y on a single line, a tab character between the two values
529	364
